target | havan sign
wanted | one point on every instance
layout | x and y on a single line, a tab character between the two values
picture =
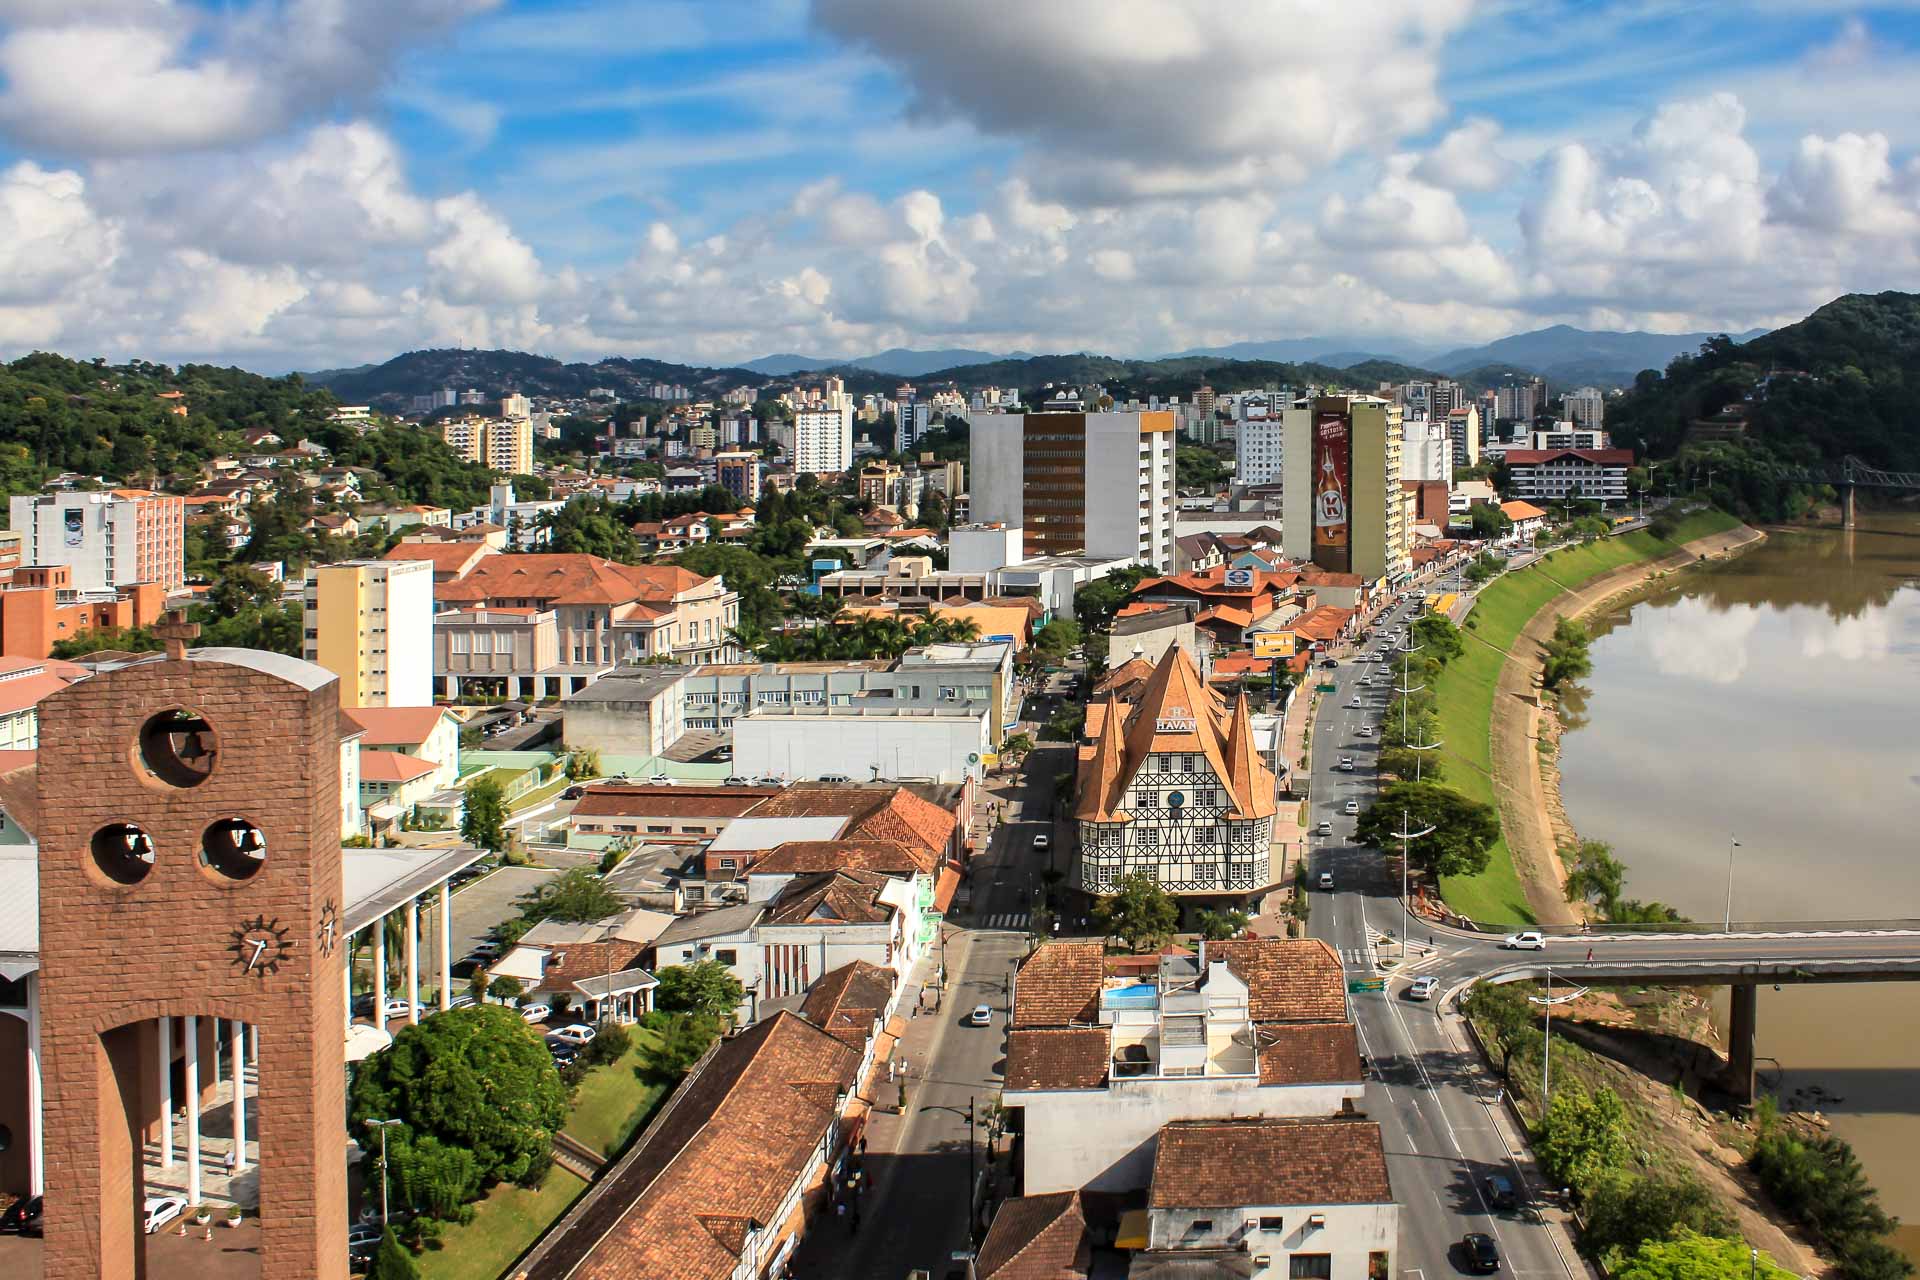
1176	720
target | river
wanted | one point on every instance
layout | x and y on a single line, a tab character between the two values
1773	700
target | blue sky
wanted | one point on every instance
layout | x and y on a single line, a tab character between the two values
301	183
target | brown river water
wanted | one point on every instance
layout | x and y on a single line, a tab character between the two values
1773	700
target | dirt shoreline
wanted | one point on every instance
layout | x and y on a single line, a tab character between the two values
1526	780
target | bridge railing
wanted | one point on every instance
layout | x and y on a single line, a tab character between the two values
1698	926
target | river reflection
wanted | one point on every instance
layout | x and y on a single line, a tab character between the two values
1773	699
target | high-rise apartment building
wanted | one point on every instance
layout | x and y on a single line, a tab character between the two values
1447	396
1427	450
515	405
915	420
823	439
503	444
1586	408
1098	483
1463	430
370	622
1259	451
109	538
739	474
1343	506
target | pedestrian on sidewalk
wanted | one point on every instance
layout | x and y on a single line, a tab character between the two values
1589	953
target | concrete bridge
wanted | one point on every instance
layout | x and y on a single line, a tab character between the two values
1743	959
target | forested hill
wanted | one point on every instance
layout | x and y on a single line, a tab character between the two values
1842	381
494	373
123	423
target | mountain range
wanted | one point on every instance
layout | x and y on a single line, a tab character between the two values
898	362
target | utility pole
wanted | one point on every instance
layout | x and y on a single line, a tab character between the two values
1406	839
1546	1049
1726	925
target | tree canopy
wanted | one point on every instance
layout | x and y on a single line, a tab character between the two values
1696	1257
579	896
483	815
1141	914
1464	829
706	988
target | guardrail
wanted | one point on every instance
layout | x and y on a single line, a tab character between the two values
1609	930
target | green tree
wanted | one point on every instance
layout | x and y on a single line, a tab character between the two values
705	987
506	988
1566	657
391	1261
1055	640
1483	567
592	526
1065	724
1583	1139
1699	1257
583	763
1464	829
579	896
81	643
1502	1010
1488	520
477	1078
1217	926
1016	748
1141	914
1627	1210
1437	637
433	1176
682	1040
483	815
1595	876
1818	1181
1096	603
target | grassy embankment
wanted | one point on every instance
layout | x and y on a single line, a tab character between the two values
1463	694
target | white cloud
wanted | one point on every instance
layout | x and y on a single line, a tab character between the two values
106	78
49	235
1125	99
479	259
1467	159
1844	184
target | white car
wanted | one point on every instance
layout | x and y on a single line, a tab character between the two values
574	1033
163	1209
1326	880
1345	765
485	949
398	1008
1423	988
982	1016
1042	843
1326	828
535	1012
1351	806
1527	941
1365	731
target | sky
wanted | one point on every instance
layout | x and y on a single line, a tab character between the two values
305	184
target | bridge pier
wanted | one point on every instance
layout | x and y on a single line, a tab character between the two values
1742	1030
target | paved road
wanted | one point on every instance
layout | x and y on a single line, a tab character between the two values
1436	1109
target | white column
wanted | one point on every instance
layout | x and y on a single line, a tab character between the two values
253	1054
380	973
446	945
213	1045
36	1149
239	1097
165	1046
346	987
413	961
193	1109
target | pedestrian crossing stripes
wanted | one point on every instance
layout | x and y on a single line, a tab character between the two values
1005	920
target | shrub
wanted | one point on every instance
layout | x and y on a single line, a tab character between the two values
610	1045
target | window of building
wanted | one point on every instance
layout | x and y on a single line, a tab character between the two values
459	642
1272	1224
1377	1265
1149	838
1200	1226
725	957
726	864
662	827
1310	1266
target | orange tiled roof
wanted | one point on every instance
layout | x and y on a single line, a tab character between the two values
1057	1058
1517	510
889	857
1232	1164
834	897
1287	980
873	813
1037	1238
395	724
1059	984
565	579
846	1003
392	766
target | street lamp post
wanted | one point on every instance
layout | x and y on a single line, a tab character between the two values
1726	925
1546	1049
1406	839
383	1126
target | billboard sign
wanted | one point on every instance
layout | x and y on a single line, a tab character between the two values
1332	490
75	520
1240	579
1273	644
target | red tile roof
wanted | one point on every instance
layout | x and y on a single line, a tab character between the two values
874	813
669	802
450	559
565	579
395	724
834	897
848	1001
1059	984
1236	1164
1037	1238
1598	457
889	857
1308	1053
1057	1058
1517	510
392	766
1287	980
726	1150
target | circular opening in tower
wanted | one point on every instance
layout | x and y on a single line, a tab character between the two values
234	848
177	747
123	852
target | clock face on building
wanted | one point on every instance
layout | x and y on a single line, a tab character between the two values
327	935
259	945
1176	799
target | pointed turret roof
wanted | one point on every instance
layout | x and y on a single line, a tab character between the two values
1102	778
1248	778
1176	712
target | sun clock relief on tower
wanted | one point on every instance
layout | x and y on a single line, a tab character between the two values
190	882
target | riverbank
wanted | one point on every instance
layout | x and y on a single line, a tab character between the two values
1488	705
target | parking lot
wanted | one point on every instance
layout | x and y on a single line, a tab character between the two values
489	900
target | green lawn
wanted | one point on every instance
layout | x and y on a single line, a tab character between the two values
615	1100
541	793
1463	693
504	1224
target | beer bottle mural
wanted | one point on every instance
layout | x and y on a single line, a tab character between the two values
1332	517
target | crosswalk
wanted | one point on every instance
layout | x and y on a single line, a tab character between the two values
1005	920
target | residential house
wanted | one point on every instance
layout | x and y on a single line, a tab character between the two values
593	967
428	734
657	813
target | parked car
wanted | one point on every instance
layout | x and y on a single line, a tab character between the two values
662	780
574	1033
363	1235
1530	940
835	777
735	780
535	1013
1500	1192
563	1053
1326	827
1423	988
573	793
398	1008
1326	880
1351	806
1365	731
24	1217
1042	842
1346	764
1329	663
982	1016
485	949
1481	1253
163	1209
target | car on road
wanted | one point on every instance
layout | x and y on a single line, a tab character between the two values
573	793
1329	663
1326	880
363	1235
574	1033
485	949
1356	705
535	1013
398	1008
736	780
982	1016
1365	731
1482	1255
1499	1190
1326	828
1529	940
163	1209
1422	988
1345	765
1351	806
1042	843
25	1217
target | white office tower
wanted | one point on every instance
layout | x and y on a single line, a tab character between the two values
1259	450
1586	408
1427	453
823	438
1101	484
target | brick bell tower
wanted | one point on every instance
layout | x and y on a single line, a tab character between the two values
190	866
